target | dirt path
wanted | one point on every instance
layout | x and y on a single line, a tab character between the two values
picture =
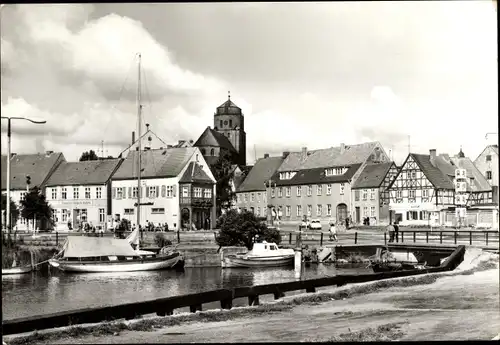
464	307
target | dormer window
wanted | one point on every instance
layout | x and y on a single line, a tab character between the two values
287	175
335	171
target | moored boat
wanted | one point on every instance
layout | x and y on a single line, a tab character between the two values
263	254
17	270
101	254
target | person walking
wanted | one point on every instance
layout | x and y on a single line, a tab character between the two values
347	223
333	232
396	230
390	229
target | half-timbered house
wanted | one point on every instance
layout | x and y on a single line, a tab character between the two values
370	196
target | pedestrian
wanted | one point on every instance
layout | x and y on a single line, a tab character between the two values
390	229
333	232
347	223
165	227
396	230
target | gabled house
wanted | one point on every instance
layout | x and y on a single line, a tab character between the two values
487	163
39	167
252	194
213	145
370	196
423	193
317	184
177	188
79	192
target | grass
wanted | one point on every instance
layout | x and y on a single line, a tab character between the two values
381	333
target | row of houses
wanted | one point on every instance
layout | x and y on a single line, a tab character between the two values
177	188
360	182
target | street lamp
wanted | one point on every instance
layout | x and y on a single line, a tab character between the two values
7	216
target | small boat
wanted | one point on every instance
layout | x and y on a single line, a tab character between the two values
101	254
263	254
393	266
17	270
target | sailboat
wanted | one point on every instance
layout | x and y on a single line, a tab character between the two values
101	254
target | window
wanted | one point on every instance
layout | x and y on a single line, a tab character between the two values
238	197
153	191
309	210
170	191
65	214
399	194
335	171
258	197
488	175
98	192
158	211
288	210
280	192
411	193
207	193
231	123
342	187
212	152
76	193
318	189
163	191
258	212
64	194
319	210
299	210
365	212
356	195
299	190
372	194
309	190
185	192
119	193
54	193
221	123
264	197
328	189
412	215
128	211
288	191
272	192
134	192
102	216
245	197
252	197
197	192
365	194
329	209
23	195
87	193
287	175
413	174
252	210
425	193
488	158
372	211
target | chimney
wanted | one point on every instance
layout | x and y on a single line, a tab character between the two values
342	148
266	155
180	142
48	153
304	153
432	153
285	154
147	127
133	137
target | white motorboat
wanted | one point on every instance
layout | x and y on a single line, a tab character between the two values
17	270
263	254
101	254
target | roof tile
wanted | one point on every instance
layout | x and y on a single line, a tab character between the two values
261	172
84	173
372	175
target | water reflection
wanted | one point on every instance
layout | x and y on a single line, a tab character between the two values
42	292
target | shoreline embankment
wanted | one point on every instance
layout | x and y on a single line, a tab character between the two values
474	261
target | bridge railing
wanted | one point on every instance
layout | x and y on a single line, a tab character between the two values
166	306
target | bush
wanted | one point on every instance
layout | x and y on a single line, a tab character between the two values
161	241
239	229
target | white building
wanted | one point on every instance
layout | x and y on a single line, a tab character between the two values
39	167
79	192
177	188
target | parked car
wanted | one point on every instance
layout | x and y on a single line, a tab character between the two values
304	224
315	225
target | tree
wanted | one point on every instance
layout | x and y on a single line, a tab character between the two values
224	173
89	156
35	206
14	211
239	229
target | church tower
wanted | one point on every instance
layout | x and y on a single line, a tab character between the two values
229	121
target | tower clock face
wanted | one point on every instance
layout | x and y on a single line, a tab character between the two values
225	123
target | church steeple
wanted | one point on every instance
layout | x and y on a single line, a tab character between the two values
461	153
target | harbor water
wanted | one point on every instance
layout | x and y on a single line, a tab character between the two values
46	292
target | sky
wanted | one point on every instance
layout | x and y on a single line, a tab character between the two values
411	75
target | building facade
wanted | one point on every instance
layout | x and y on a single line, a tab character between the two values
79	193
39	167
370	196
173	190
252	194
317	184
487	163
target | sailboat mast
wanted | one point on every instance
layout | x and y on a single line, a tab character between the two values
139	142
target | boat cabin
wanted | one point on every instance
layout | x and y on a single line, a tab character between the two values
261	247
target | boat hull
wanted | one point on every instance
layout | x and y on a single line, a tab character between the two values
155	264
235	261
16	270
389	267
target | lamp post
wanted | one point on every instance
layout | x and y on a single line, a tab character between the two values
7	216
